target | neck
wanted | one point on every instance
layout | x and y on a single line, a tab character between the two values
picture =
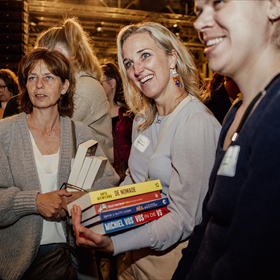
167	104
43	120
254	80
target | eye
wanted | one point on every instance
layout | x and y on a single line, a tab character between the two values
31	78
217	2
49	77
128	64
145	55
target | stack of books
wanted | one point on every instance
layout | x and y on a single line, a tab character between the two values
110	210
86	168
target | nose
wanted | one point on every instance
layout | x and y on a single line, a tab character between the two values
40	82
204	21
138	68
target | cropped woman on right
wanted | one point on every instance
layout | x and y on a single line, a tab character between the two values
239	235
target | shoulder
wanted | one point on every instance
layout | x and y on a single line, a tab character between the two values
83	131
12	125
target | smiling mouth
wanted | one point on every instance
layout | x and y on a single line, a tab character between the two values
146	79
39	95
213	42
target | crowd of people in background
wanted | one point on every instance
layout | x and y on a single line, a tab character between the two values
213	145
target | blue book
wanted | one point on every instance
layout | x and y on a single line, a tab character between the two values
127	222
125	211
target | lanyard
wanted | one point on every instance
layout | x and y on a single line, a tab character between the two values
247	114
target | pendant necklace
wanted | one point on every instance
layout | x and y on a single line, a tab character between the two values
159	120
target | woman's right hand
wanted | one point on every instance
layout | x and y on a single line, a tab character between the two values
85	237
53	205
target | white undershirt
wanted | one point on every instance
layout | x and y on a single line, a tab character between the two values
47	167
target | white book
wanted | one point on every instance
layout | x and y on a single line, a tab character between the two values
84	171
95	171
87	148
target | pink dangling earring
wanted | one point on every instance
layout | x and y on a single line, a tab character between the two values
175	77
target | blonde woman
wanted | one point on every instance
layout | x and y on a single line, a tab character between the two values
91	105
159	75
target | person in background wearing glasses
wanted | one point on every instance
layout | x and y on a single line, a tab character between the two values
8	88
36	148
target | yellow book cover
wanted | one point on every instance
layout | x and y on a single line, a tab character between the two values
104	195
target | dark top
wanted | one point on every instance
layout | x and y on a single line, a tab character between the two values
219	104
12	107
122	134
238	237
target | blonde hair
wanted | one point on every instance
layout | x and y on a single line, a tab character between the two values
77	42
188	73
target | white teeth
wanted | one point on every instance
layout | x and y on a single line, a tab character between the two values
40	95
214	42
146	78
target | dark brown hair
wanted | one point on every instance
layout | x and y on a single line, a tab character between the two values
10	79
58	65
111	71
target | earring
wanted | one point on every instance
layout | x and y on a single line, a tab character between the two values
175	77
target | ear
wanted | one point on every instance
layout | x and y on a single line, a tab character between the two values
65	87
273	11
173	59
62	50
113	83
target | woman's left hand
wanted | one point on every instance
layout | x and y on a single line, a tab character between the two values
85	237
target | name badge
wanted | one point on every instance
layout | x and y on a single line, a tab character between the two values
228	164
141	143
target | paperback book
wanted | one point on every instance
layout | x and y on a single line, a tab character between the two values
125	211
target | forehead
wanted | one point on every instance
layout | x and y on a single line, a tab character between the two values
138	42
39	65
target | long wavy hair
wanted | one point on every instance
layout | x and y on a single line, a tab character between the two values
71	36
189	76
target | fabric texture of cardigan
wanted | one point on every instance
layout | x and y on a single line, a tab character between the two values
92	108
20	221
238	237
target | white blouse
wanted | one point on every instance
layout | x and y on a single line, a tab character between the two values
47	167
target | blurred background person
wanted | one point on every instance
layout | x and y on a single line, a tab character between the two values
36	148
161	81
219	102
91	105
121	119
8	88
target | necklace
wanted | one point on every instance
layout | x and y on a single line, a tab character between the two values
48	133
159	120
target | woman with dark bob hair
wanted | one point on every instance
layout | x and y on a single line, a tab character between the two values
36	148
8	87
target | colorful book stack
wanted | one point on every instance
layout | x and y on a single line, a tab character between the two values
110	210
86	168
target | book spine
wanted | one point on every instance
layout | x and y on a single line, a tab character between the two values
124	191
133	220
115	204
121	212
113	214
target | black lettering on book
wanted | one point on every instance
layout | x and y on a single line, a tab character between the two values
128	190
104	197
